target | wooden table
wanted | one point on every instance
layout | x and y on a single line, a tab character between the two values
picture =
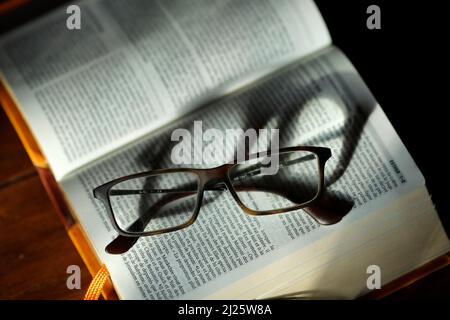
35	250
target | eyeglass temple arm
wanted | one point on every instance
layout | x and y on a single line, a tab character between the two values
122	244
248	172
256	168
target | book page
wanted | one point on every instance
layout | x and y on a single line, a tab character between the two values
137	65
321	101
398	239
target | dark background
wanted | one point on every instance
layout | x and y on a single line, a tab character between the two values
403	65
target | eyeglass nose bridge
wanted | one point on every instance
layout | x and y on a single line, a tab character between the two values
213	176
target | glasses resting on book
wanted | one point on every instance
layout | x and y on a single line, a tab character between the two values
166	200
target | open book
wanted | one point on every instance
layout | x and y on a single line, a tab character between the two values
103	101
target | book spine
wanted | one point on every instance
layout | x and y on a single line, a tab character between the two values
73	228
51	186
21	127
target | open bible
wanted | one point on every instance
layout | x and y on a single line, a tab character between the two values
101	102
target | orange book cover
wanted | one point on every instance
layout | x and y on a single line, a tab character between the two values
73	228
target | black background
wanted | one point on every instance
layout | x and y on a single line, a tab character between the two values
403	65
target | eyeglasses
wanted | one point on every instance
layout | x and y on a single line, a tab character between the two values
166	200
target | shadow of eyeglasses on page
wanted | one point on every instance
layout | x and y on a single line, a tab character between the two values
289	101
